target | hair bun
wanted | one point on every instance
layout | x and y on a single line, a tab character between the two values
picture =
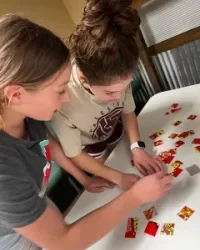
113	15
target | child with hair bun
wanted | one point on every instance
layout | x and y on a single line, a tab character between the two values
101	104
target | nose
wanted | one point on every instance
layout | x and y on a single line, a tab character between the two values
116	96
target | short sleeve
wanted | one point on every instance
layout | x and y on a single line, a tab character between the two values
68	135
20	204
129	104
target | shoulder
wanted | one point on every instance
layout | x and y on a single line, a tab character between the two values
128	91
75	88
74	79
61	120
11	163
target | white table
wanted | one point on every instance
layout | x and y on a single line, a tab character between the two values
151	119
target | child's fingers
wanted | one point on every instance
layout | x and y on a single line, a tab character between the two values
97	189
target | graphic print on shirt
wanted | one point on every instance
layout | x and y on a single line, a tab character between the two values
106	124
44	145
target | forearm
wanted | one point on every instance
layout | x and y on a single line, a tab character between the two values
97	224
82	233
131	127
59	157
93	166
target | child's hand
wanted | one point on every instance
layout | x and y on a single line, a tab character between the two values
151	188
127	181
145	163
97	184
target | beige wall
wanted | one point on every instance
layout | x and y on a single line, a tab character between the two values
49	13
75	9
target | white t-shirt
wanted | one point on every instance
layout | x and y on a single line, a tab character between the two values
85	119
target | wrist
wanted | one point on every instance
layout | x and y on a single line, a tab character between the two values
117	177
135	196
133	193
83	180
137	145
136	150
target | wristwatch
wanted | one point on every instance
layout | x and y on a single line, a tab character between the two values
138	144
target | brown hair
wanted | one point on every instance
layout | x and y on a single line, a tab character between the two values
29	54
103	44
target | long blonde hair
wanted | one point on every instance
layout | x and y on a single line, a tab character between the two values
29	55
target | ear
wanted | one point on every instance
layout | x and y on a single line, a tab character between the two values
14	93
81	76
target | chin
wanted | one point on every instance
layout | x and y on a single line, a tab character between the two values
48	118
112	100
106	100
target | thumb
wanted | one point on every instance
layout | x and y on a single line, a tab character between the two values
104	184
110	185
97	189
160	174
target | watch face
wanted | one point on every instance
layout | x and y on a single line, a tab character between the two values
141	144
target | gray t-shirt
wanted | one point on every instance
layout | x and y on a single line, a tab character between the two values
24	172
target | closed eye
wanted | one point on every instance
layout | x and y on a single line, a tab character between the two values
111	93
62	92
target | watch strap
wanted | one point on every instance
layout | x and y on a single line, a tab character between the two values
138	144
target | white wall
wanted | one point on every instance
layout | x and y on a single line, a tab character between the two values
49	13
163	19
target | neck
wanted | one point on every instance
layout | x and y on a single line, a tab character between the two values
14	123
